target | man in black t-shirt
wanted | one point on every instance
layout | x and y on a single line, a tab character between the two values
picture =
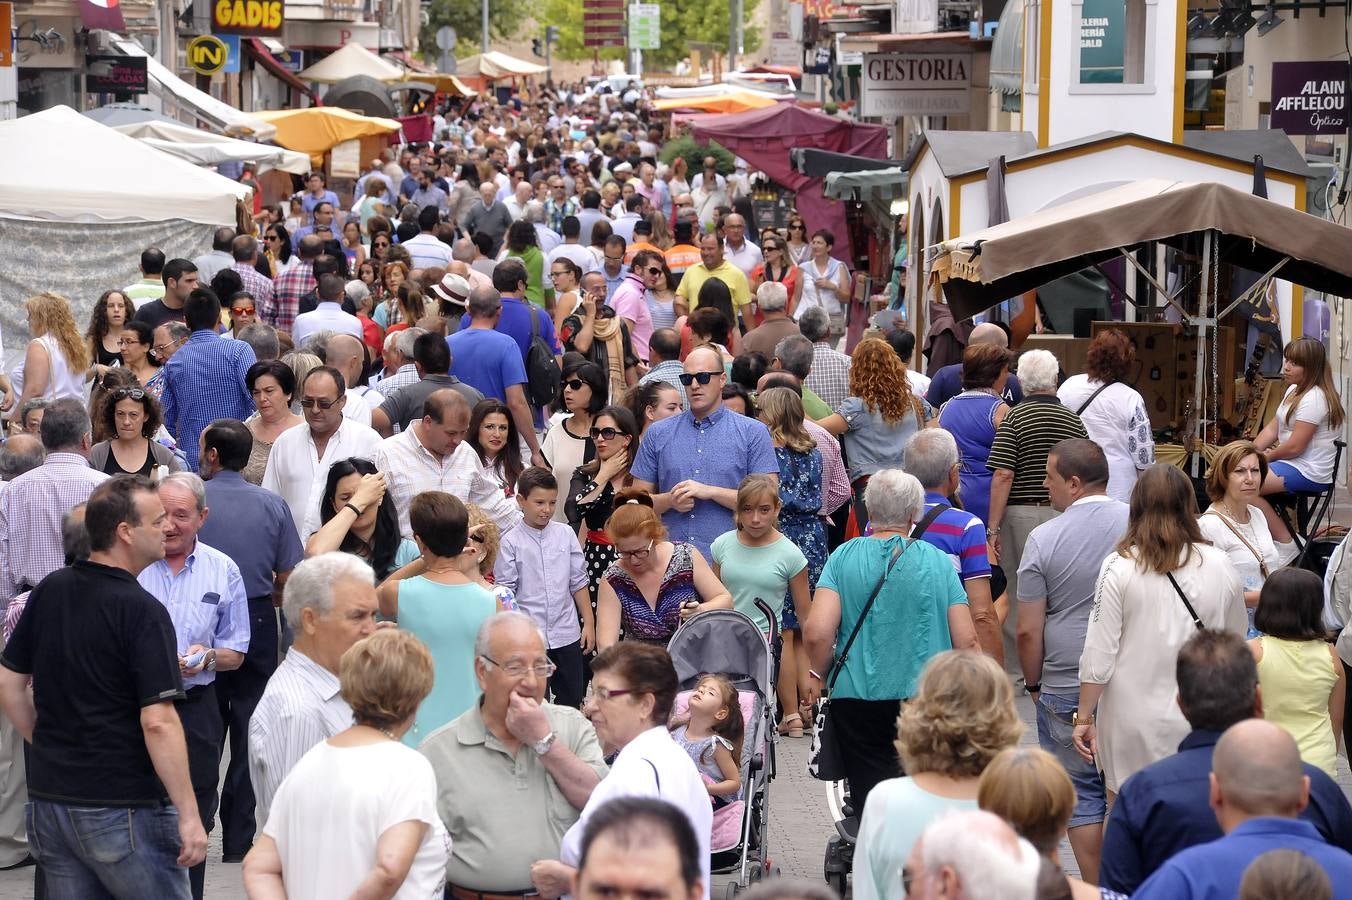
180	280
108	768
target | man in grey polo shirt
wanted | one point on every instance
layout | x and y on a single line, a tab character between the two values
1058	574
514	772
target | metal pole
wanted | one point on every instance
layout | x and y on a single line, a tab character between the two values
483	41
549	58
1204	323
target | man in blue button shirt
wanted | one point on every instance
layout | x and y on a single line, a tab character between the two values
697	459
1166	808
254	528
204	593
1258	789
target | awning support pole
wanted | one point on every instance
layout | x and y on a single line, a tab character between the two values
1159	286
1257	288
1204	325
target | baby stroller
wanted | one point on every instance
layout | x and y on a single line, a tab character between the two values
728	642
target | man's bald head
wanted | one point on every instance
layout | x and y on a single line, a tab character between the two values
463	250
1256	771
346	354
987	333
19	454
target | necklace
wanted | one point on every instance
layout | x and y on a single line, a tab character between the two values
389	734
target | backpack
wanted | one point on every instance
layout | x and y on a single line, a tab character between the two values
542	372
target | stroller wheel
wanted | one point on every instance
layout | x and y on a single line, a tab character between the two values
836	883
733	888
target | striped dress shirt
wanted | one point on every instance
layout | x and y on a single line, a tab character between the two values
203	382
31	509
206	601
299	708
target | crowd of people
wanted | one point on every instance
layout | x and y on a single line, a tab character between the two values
401	498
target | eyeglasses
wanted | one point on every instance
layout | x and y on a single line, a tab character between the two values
614	258
311	402
575	384
601	695
477	538
125	342
128	394
653	270
241	310
688	378
380	244
519	669
640	553
605	434
559	274
162	348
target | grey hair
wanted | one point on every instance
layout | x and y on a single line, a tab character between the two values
311	583
33	405
815	324
500	620
64	425
177	331
391	341
795	355
893	498
484	302
534	212
318	344
930	455
772	296
1038	371
14	463
74	534
407	338
191	482
357	291
263	339
989	859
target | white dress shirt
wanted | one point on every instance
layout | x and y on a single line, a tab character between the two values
580	255
428	251
327	316
746	259
358	408
410	469
297	472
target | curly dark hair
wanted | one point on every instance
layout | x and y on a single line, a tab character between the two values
1109	357
98	319
106	412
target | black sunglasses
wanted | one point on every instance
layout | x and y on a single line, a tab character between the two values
576	384
128	394
653	270
606	434
687	378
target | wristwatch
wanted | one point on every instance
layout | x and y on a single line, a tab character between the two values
1076	721
545	744
211	661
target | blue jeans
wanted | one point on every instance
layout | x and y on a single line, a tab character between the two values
1054	728
107	852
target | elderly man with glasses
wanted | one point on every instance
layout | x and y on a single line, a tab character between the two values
514	772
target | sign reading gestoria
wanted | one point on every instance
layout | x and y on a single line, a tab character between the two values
915	84
253	18
1309	97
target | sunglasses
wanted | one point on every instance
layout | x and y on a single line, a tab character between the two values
653	270
272	237
605	434
241	310
128	394
575	384
311	402
380	244
688	378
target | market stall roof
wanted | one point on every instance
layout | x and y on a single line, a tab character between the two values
821	163
319	129
714	89
985	267
351	59
446	84
731	102
886	184
206	149
47	176
495	64
959	152
169	87
115	115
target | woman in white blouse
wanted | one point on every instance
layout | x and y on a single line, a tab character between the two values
1234	524
1139	622
1113	413
357	815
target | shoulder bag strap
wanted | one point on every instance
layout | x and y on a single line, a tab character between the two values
1262	563
534	322
923	525
1192	612
1085	404
844	654
656	775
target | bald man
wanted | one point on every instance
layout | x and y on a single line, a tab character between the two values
1258	789
947	382
348	355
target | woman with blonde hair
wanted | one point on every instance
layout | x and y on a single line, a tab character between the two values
357	815
57	358
1298	442
1163	583
1030	790
392	274
661	236
481	551
961	716
879	416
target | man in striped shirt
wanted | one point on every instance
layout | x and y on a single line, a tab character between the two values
932	457
1018	462
330	601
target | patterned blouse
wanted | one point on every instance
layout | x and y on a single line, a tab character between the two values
639	620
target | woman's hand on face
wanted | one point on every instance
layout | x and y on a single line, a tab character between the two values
612	467
371	489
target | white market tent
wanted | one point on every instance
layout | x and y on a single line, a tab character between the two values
80	201
203	148
495	64
348	60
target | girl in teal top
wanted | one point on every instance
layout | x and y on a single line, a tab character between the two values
434	600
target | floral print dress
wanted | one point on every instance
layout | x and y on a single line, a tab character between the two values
800	493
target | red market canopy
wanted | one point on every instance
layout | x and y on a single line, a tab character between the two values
764	137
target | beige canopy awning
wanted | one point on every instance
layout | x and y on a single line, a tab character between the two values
498	65
983	268
351	59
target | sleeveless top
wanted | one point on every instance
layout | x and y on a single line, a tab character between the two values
701	750
61	381
639	620
1297	678
970	418
104	357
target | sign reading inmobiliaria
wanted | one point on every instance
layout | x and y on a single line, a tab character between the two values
1309	97
915	84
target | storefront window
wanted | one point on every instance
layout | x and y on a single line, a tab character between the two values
1114	44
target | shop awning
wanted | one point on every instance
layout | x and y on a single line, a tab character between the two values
816	163
886	184
318	129
732	102
499	65
1007	50
263	56
349	60
205	148
206	108
446	84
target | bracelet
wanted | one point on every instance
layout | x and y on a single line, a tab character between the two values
814	674
1076	721
1033	688
356	512
993	532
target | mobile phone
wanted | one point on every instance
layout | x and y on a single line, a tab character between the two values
194	660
